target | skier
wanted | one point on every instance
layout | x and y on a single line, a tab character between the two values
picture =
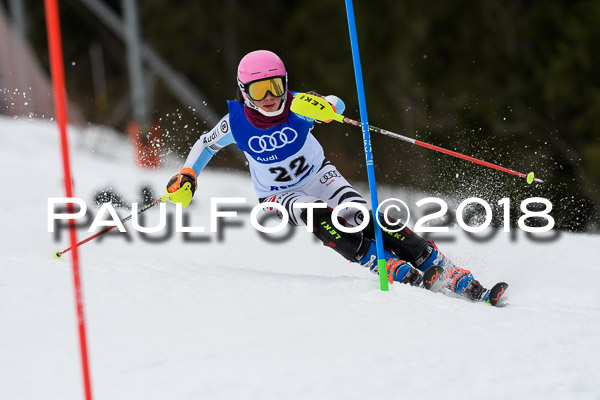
288	166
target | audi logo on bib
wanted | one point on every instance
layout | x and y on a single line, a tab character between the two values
275	140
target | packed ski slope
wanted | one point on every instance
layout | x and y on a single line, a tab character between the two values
237	317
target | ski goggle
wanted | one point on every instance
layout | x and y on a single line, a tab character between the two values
257	90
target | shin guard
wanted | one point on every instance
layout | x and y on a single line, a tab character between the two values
352	246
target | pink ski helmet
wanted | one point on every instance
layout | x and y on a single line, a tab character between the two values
258	65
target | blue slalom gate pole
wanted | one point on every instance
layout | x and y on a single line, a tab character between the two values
362	102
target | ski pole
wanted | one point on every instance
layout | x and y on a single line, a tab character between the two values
58	254
318	108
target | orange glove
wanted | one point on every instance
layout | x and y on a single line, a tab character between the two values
181	187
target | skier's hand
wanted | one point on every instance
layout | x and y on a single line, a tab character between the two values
181	187
335	102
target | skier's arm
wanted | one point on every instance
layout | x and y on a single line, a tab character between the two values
203	150
208	145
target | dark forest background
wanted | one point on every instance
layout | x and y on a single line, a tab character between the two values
512	82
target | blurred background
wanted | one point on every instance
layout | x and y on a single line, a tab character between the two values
512	82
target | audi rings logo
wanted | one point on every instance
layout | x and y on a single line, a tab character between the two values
275	140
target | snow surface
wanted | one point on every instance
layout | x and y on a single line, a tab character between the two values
242	318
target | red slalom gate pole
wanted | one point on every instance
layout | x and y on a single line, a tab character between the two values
60	107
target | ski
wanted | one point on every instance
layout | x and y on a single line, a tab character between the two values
435	274
490	297
493	296
431	276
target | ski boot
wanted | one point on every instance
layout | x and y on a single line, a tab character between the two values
474	291
401	271
397	270
461	281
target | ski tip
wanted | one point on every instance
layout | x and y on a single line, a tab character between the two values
496	293
431	276
56	255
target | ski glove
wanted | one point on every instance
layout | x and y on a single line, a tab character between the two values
181	187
